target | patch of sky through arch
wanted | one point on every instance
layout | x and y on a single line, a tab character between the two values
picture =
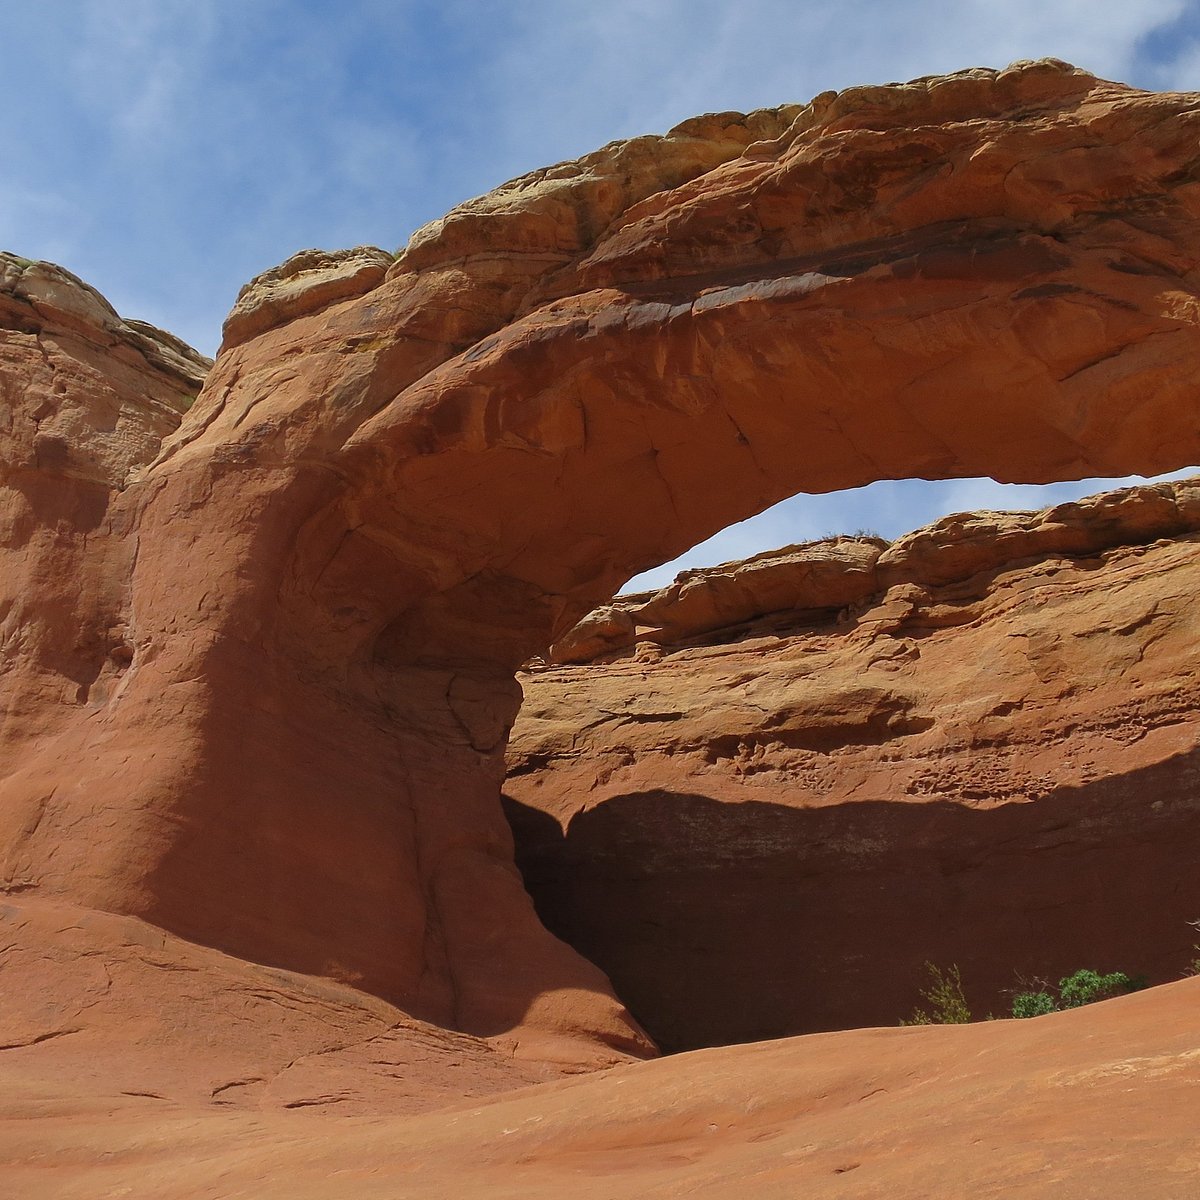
889	507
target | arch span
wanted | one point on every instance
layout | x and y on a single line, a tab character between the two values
401	481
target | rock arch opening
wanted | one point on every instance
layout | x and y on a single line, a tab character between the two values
888	508
764	797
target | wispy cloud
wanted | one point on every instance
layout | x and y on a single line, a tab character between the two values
135	74
566	76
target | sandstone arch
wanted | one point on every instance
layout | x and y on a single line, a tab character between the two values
401	480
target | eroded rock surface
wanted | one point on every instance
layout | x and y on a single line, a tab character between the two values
1099	1101
107	1010
281	732
977	746
85	400
308	282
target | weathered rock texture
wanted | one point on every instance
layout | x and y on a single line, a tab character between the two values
1099	1102
281	733
307	283
107	1009
818	769
85	399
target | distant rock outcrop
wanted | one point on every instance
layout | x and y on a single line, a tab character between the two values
819	579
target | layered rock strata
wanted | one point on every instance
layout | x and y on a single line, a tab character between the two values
281	733
976	746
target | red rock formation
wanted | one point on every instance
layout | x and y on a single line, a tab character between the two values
282	732
85	399
978	745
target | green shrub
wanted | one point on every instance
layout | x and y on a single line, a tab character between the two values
944	995
1087	986
1083	987
945	1003
1033	1004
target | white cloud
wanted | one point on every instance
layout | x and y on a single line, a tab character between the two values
211	138
133	71
564	77
1179	70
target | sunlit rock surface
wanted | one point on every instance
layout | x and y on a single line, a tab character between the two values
259	649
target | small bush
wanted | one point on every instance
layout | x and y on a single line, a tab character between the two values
1083	987
1086	987
944	995
1033	1004
1193	968
945	1003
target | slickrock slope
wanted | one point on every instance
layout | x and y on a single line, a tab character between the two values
803	776
107	1012
281	733
1100	1102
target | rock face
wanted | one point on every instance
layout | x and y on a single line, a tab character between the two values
808	774
280	732
85	399
307	283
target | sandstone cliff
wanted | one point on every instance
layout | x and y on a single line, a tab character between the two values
395	488
85	399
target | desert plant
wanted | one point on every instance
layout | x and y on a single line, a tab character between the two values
1083	987
945	1003
862	533
1087	986
1193	968
944	995
1033	1004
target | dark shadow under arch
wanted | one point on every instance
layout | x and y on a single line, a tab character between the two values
736	922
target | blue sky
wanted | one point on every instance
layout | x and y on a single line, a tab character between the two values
167	150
